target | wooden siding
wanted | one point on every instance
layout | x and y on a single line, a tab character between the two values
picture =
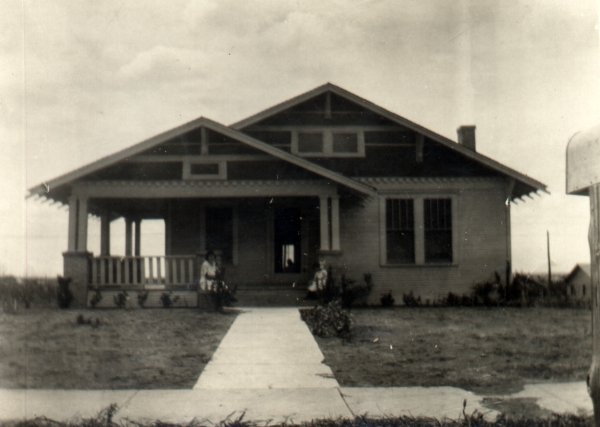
343	112
481	248
390	149
267	169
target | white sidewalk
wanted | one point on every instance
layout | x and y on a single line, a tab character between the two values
267	348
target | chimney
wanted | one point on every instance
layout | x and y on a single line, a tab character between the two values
466	136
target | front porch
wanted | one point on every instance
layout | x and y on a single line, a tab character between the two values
266	234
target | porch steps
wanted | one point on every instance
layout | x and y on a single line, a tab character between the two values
271	296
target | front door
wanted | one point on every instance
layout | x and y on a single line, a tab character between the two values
287	240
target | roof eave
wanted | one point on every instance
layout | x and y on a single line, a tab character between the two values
44	189
499	167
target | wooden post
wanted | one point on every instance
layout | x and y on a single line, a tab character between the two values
583	178
73	229
82	224
594	240
138	237
335	223
128	245
105	234
324	222
549	259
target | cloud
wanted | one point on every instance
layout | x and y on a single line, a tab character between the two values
162	63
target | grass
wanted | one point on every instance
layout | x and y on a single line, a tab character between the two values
104	419
148	349
483	350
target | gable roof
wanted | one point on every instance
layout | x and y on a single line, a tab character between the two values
585	268
529	184
44	189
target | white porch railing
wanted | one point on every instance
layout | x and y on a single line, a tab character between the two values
140	271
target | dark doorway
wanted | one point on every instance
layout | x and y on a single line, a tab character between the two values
288	237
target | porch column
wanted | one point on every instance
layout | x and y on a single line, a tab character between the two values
419	226
128	237
138	237
324	222
72	245
335	223
82	222
105	234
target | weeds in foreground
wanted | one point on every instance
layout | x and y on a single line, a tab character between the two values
106	418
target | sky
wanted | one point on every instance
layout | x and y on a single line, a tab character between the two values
81	80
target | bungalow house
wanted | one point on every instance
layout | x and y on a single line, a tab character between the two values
325	174
578	283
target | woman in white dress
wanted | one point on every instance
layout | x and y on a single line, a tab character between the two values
208	272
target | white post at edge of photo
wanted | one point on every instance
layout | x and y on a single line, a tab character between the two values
583	178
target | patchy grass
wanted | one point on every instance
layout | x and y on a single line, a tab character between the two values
153	348
105	419
483	350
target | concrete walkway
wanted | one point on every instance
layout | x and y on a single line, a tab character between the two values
269	369
267	348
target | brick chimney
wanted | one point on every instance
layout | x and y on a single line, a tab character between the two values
466	136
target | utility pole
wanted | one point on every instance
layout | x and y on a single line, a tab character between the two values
549	259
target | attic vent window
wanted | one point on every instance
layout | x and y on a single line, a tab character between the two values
310	142
204	170
345	143
328	143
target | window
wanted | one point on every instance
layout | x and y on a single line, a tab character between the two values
417	230
219	232
204	170
345	143
328	143
400	231
310	142
438	230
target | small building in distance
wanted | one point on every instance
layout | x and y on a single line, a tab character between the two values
578	282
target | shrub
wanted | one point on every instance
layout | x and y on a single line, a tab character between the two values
26	293
410	300
330	320
331	291
82	320
387	300
350	291
168	300
96	298
221	295
524	290
64	296
486	293
142	297
121	299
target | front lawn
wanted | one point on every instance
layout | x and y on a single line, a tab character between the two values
151	348
482	350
